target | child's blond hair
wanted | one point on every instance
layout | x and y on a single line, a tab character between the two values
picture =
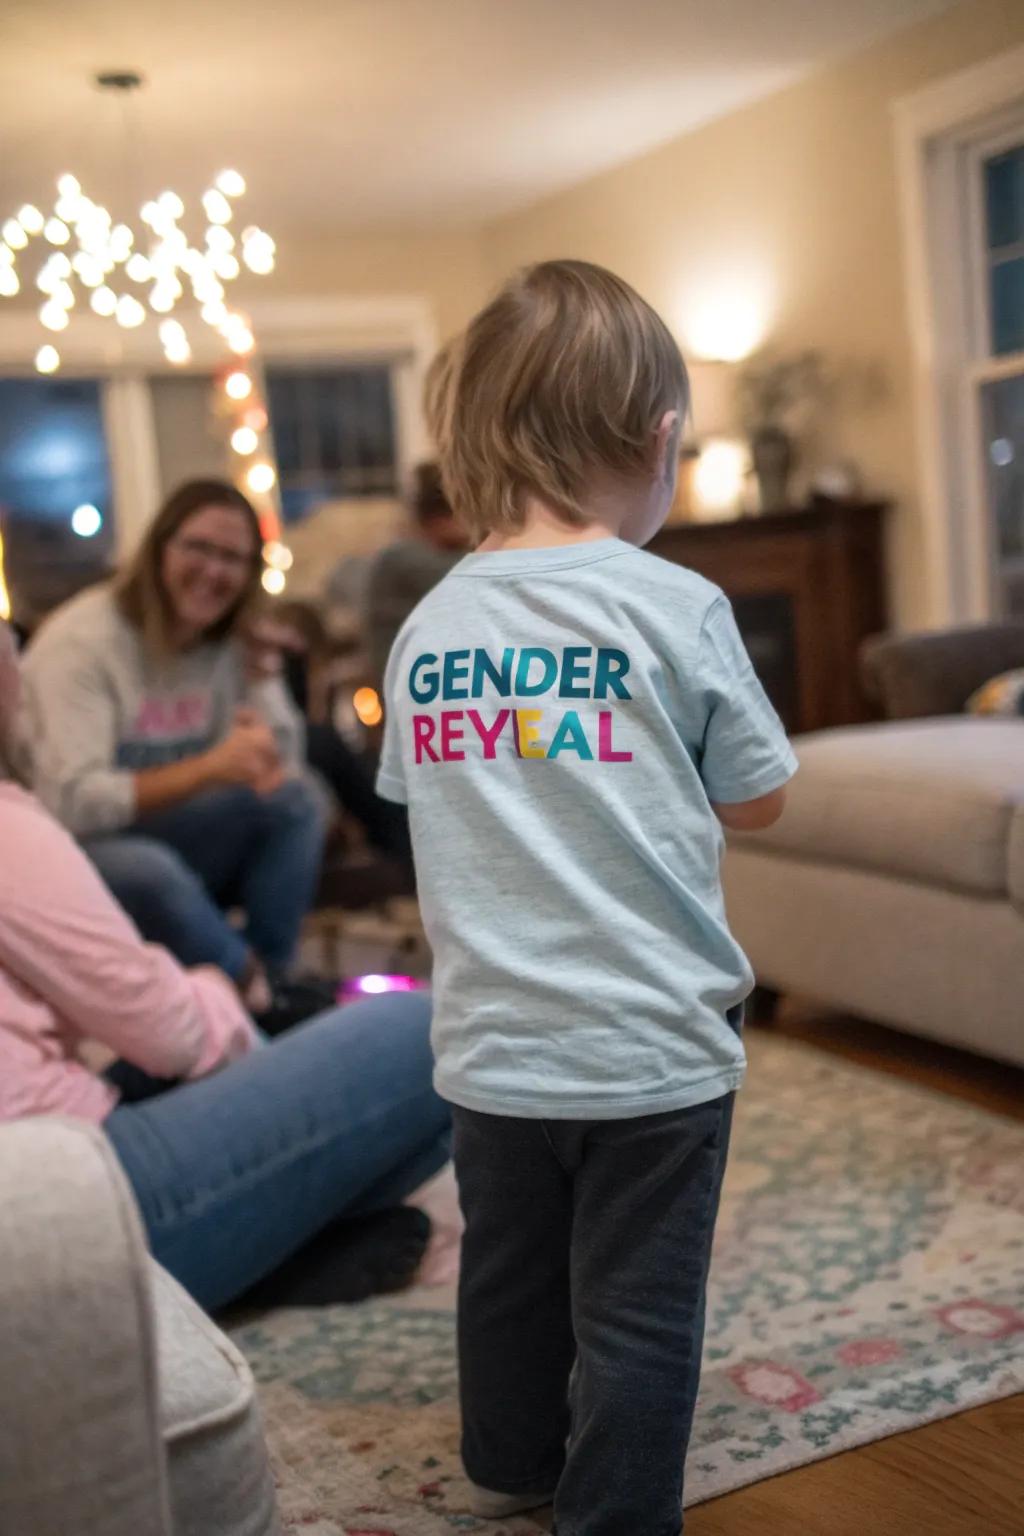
563	378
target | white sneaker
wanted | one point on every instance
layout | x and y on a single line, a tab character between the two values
501	1506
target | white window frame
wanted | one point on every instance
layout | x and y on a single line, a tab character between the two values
942	135
397	329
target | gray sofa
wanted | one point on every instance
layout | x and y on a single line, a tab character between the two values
893	886
124	1410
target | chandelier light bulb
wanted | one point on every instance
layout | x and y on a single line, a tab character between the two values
226	266
273	581
57	232
170	204
129	312
171	331
30	219
259	260
60	264
47	359
68	185
219	238
161	299
103	301
214	313
6	254
231	183
216	206
47	282
14	235
138	268
244	440
54	316
238	386
64	295
9	283
89	269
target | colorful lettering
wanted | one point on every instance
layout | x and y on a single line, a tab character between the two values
527	732
484	670
456	670
425	692
422	735
451	731
606	753
489	734
527	656
571	737
611	668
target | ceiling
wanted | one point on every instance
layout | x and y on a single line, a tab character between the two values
390	114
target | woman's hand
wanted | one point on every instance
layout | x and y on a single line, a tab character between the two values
247	755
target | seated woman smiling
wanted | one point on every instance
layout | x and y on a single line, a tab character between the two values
181	775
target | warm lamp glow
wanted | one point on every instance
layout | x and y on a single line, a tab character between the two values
727	317
718	476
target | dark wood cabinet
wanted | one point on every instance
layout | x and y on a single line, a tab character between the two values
807	587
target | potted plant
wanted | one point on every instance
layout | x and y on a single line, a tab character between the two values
776	396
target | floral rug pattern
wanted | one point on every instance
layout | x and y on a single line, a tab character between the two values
868	1277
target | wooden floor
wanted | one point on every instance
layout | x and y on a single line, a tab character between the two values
962	1476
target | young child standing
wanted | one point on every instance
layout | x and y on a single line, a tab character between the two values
570	720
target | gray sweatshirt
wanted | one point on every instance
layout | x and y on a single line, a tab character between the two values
96	710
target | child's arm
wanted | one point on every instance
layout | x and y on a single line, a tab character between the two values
752	815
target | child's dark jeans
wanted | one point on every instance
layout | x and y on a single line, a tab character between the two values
586	1254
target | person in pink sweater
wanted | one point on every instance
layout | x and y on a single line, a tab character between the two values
270	1165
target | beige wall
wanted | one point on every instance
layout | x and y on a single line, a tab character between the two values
445	268
790	204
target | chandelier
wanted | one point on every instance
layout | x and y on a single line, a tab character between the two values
135	276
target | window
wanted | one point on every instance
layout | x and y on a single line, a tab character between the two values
996	374
334	434
55	494
1004	220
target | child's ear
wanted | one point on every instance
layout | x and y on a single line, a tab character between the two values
666	443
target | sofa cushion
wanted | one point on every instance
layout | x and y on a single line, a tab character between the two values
218	1469
941	801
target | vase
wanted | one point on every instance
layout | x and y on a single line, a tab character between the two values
772	453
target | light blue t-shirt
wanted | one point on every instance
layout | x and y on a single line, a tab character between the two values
559	721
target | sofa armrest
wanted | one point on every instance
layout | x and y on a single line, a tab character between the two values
912	676
81	1447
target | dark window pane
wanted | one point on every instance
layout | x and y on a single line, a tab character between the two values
1004	198
53	460
334	434
1003	406
1008	306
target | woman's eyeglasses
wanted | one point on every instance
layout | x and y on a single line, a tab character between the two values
213	554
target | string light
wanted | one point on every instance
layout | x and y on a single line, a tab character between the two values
47	360
57	232
278	555
9	283
238	386
367	705
14	235
30	219
53	315
244	440
129	312
261	478
273	581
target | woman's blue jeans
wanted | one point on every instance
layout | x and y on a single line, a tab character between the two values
235	1172
176	870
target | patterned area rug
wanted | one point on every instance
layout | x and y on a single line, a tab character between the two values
868	1277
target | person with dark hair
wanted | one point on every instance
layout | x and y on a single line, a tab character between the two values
146	733
408	569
